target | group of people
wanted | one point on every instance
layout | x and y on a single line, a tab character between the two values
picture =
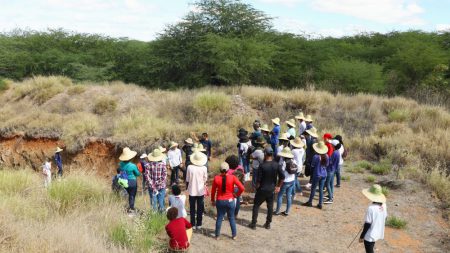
273	161
47	167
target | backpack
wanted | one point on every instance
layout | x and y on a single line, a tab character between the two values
345	154
291	167
123	179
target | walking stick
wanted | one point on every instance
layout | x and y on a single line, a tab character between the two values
354	238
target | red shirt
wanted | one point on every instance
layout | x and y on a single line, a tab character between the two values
176	229
232	180
330	148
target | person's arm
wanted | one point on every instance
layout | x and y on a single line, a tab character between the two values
136	171
240	186
187	224
213	192
209	148
259	177
280	179
367	223
187	176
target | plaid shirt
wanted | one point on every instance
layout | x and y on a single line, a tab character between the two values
155	175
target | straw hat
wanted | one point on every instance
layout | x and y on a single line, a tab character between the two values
198	158
300	116
127	154
308	118
320	148
283	136
144	155
286	152
276	121
156	156
58	149
265	127
291	122
198	147
260	140
173	144
375	194
297	142
189	141
312	132
163	149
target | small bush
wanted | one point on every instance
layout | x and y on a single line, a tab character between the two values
104	105
211	102
364	165
382	168
4	85
76	89
370	179
440	183
120	235
345	178
399	115
41	89
355	169
13	182
396	222
385	190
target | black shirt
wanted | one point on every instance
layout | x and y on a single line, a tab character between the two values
268	174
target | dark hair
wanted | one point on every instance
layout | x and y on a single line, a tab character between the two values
233	161
176	190
224	183
205	134
172	213
339	138
323	159
118	170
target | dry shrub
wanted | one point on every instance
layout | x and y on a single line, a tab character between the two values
76	89
390	129
78	127
105	105
262	97
399	115
209	103
41	89
439	180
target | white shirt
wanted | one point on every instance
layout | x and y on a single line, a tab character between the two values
175	158
258	158
197	177
47	169
301	128
299	157
243	148
178	202
279	149
287	177
341	151
375	215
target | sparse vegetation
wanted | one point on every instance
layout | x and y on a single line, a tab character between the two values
355	169
382	168
370	179
396	222
345	178
4	85
385	191
399	115
105	105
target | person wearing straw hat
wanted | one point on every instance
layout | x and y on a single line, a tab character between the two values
310	138
274	134
331	170
156	177
375	218
287	165
301	123
257	157
299	156
256	133
319	174
196	178
187	149
291	133
207	145
265	132
175	162
58	161
131	171
309	122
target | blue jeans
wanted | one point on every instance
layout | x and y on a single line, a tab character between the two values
174	175
317	181
274	148
245	164
338	175
329	182
131	190
197	206
287	188
157	200
297	187
238	203
228	207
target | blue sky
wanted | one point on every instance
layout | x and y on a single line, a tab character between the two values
144	19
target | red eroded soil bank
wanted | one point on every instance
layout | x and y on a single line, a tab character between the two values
21	151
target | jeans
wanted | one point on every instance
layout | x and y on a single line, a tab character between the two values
260	197
245	164
228	207
274	148
132	189
287	188
330	184
174	175
297	186
60	171
254	176
197	206
369	246
320	181
338	175
238	203
157	199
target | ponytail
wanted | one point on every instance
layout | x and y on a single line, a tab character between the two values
323	160
224	183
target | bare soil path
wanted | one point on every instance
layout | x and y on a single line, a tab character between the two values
308	229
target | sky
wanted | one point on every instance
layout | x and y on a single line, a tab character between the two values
144	19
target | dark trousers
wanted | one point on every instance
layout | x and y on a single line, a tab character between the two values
338	176
197	206
132	189
60	171
174	175
260	197
369	246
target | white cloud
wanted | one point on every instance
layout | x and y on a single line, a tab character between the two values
283	2
443	27
404	12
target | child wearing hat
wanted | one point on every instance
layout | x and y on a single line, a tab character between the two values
58	161
302	125
178	200
243	149
131	171
331	170
187	149
289	180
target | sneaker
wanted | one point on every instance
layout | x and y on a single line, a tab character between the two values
276	214
284	214
234	237
337	186
308	186
330	201
267	225
307	204
198	227
319	206
252	226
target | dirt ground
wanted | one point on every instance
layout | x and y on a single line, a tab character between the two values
308	229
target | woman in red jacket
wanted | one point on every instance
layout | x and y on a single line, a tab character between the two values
223	185
326	138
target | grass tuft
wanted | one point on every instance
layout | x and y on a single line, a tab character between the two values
207	103
105	105
399	115
382	168
345	178
370	179
396	222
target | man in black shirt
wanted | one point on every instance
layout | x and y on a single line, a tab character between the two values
269	172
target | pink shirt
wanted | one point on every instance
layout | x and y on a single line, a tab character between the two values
197	177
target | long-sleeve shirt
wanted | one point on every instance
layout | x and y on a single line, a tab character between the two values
231	181
330	148
319	170
207	144
175	158
176	230
334	161
187	149
275	134
301	128
58	160
291	132
196	176
131	170
268	174
309	152
156	175
299	158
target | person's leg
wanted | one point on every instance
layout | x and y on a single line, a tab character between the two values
369	246
221	210
269	197
321	185
231	205
238	203
331	186
289	191
132	193
161	196
338	176
155	195
259	198
254	174
327	184
280	198
200	209
192	202
177	171
315	181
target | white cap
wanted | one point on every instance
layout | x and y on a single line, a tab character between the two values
143	156
334	142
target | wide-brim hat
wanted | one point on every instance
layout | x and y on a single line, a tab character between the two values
260	140
173	144
283	136
286	152
189	141
156	156
300	116
312	132
244	139
198	147
375	194
308	118
297	142
291	122
265	127
276	121
127	154
144	155
58	149
198	158
320	148
163	149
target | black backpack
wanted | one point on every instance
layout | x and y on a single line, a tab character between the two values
291	167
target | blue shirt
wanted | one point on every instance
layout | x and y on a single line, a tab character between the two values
131	170
309	126
318	169
275	134
58	160
334	161
207	145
